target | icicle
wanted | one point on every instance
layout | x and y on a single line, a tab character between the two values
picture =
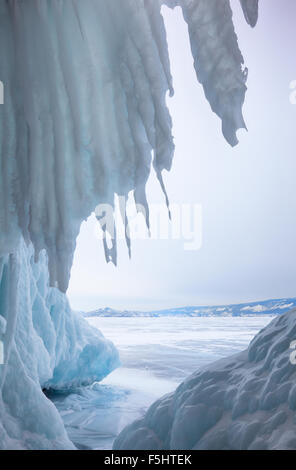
162	185
142	204
250	9
159	33
108	227
122	210
217	60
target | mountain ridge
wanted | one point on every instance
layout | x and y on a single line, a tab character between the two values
265	307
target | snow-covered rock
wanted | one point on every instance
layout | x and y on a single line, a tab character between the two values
46	345
247	401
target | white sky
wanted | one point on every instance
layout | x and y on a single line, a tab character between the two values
247	193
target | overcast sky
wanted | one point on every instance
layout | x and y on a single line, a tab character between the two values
247	193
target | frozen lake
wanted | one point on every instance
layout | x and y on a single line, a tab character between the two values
156	355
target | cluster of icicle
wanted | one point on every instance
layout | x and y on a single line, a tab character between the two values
85	110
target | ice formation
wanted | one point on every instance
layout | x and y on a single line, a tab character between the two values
84	114
246	401
85	105
47	346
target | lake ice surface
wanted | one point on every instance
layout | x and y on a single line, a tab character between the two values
156	355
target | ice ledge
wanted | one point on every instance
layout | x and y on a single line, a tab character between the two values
246	401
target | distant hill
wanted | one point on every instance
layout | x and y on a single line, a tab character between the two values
266	307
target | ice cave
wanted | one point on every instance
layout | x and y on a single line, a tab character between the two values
85	118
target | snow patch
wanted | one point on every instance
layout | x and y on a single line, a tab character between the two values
255	309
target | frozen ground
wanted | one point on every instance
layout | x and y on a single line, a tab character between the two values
156	355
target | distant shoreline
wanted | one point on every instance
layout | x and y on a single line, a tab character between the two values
266	307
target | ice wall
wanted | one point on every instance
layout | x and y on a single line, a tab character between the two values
46	346
246	401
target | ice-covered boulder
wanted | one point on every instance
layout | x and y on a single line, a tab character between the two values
46	345
247	401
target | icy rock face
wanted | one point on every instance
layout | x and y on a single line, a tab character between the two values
246	401
46	346
85	108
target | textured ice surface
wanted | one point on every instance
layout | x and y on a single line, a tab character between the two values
94	415
246	401
46	346
157	354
